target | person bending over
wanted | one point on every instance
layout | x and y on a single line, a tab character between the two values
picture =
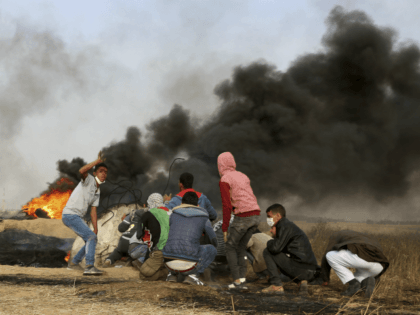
237	196
290	251
185	258
350	249
256	245
156	222
185	184
84	195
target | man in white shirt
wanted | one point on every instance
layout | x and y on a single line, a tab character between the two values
84	195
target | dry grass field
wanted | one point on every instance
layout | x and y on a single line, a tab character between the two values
399	288
119	291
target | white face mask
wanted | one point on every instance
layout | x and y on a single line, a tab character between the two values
99	181
270	221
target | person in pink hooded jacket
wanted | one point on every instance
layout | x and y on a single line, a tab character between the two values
237	197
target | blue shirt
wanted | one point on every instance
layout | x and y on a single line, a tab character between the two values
84	195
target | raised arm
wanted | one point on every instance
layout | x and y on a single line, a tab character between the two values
86	168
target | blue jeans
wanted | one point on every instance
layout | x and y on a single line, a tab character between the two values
207	254
79	226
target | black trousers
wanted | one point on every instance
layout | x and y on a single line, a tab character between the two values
120	251
287	266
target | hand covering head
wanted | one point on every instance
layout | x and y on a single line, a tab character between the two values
155	200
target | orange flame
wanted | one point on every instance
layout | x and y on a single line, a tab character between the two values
67	257
52	202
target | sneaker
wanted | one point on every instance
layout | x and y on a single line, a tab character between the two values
171	278
92	271
237	286
243	280
368	285
73	266
352	289
192	279
273	289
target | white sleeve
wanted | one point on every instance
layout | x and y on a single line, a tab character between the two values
95	202
89	178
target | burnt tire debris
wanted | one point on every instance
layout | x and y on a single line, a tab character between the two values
23	248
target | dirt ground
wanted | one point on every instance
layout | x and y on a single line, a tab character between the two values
26	290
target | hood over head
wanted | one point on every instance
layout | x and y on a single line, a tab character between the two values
225	163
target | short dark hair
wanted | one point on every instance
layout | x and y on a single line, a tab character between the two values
100	165
190	198
277	208
187	180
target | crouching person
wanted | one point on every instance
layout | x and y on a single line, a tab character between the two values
128	240
256	246
156	221
350	249
185	258
290	251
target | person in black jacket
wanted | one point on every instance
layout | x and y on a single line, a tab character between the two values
350	249
128	239
290	251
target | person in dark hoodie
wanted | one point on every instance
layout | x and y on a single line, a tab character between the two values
350	249
290	251
237	197
185	184
185	258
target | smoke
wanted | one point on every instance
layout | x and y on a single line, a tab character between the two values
36	67
38	72
342	122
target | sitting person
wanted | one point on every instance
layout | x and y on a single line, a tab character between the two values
290	251
129	244
256	245
128	239
185	185
350	249
156	222
185	258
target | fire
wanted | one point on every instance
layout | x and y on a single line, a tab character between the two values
52	202
67	257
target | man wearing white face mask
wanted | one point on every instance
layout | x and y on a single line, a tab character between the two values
290	251
84	195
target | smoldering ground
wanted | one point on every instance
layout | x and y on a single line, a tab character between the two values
342	122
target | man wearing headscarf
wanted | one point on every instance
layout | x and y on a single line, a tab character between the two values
155	221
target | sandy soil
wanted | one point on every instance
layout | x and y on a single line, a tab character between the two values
48	227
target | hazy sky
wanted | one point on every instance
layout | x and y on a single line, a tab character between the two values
114	64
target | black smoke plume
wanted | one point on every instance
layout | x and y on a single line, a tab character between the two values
340	122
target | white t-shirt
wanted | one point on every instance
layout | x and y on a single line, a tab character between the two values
84	195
